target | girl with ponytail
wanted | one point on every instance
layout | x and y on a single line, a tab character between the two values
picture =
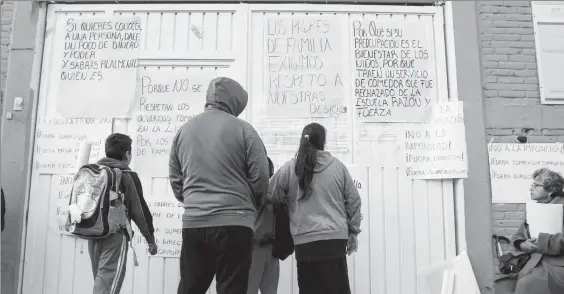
313	139
324	212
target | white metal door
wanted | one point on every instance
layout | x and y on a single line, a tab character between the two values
407	225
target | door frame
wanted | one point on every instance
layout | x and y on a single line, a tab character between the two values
41	37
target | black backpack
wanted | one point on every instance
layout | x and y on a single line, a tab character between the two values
510	263
283	245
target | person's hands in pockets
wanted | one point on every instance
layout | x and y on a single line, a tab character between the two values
153	248
352	244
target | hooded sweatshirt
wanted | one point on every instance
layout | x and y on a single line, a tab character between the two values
218	165
331	212
137	208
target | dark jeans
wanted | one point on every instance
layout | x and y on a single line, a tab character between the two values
224	252
328	276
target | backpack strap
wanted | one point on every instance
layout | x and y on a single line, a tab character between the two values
118	184
130	229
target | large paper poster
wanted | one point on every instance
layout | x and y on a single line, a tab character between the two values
512	167
57	142
395	71
166	100
303	66
98	65
304	82
436	148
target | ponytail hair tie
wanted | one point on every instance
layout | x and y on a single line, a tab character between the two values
306	137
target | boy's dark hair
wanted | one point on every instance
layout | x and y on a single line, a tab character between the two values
270	167
117	145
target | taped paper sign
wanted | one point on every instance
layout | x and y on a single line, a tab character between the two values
57	142
98	65
303	65
436	149
395	71
167	220
283	135
512	167
166	100
62	186
304	83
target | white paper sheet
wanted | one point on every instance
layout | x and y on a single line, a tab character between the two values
97	66
436	149
512	167
304	74
166	100
57	142
544	218
394	70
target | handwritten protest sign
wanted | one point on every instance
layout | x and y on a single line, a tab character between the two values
304	83
303	62
98	65
395	75
436	148
166	100
167	220
57	142
512	167
61	186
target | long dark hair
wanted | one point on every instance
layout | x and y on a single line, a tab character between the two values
313	139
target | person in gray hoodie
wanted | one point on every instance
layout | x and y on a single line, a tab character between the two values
219	171
324	209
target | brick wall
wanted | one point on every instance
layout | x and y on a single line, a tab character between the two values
6	17
511	88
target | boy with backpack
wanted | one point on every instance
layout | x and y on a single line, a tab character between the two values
105	198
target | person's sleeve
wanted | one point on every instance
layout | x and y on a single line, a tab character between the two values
352	203
138	208
257	164
279	185
520	236
551	244
175	171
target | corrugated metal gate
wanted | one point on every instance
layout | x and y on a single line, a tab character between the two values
408	224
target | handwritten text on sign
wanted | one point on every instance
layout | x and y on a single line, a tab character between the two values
62	186
394	70
166	100
57	142
98	65
512	167
167	220
304	67
436	149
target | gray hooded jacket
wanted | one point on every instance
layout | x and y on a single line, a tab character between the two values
218	165
333	209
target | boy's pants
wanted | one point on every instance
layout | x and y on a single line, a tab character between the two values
109	258
264	272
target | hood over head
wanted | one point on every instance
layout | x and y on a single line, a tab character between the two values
227	95
324	159
113	163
